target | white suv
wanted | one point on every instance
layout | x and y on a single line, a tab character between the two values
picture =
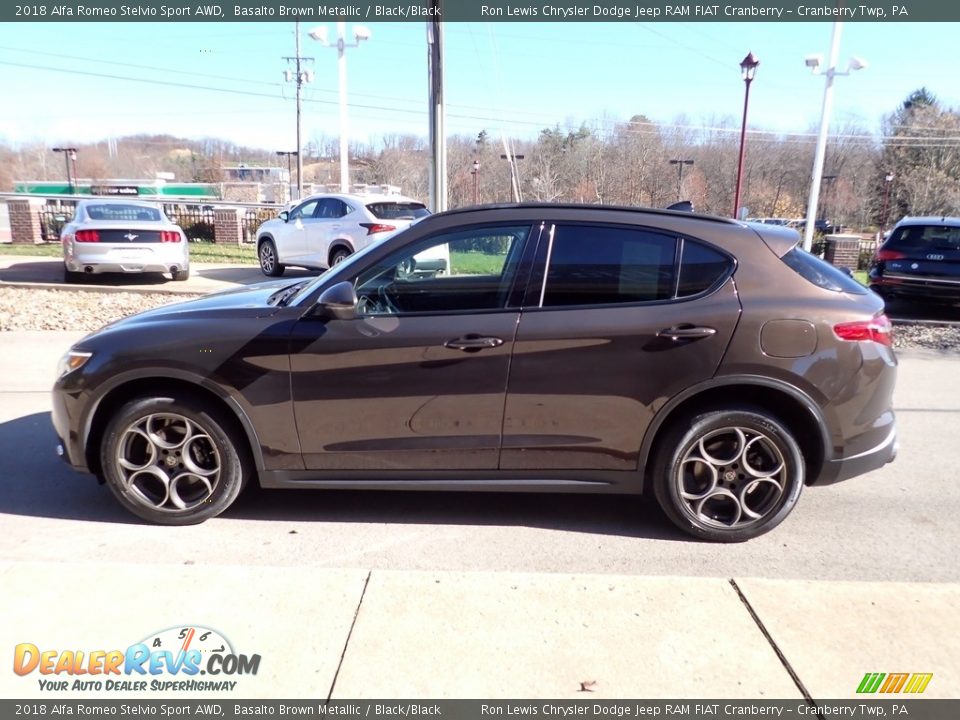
323	230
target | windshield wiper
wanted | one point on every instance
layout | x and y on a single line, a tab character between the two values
282	296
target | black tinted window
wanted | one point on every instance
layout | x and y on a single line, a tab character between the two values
924	237
594	265
700	268
820	273
397	210
112	211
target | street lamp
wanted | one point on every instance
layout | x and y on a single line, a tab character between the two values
69	154
813	62
748	68
476	182
289	154
680	164
360	33
887	182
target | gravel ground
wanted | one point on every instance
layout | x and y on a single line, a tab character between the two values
31	309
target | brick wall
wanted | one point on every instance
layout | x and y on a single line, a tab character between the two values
227	226
842	251
25	220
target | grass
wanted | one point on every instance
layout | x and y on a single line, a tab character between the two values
860	276
475	263
200	251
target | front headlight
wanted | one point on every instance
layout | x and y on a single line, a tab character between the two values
72	360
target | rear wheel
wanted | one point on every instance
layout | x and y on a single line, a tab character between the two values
173	461
69	276
269	260
339	255
729	475
181	275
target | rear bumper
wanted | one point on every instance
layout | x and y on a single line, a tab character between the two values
95	268
861	463
916	287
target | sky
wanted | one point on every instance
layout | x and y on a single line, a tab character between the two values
63	83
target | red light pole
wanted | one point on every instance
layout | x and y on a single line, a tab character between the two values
748	68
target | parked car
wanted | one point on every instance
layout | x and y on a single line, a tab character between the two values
123	236
920	260
324	230
568	349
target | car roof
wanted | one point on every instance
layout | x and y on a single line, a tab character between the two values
361	197
930	220
591	207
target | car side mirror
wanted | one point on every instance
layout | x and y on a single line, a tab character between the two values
337	302
284	215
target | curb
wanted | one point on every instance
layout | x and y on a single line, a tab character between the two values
104	288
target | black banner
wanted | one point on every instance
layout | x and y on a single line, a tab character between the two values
589	709
478	10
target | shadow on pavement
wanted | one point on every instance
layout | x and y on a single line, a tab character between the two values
36	483
249	275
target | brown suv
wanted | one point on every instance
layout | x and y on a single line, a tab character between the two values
567	349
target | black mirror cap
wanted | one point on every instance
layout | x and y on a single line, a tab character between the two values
338	302
284	215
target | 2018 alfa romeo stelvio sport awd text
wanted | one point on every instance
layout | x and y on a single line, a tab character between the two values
563	348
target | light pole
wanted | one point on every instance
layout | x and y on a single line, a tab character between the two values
360	33
813	62
69	154
680	164
748	68
514	176
476	182
300	76
290	154
829	180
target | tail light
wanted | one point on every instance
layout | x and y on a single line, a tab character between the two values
87	236
169	236
890	255
879	330
374	228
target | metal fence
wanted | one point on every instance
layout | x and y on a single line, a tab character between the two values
52	220
255	217
196	221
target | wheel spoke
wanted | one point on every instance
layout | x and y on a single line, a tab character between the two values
198	487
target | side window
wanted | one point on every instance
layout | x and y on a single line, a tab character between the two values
469	270
600	265
332	209
701	268
304	211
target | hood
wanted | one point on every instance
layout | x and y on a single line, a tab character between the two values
246	301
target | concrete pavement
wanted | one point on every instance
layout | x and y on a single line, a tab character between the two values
366	595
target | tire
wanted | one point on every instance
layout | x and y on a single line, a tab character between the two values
210	472
269	259
339	255
69	276
726	499
181	275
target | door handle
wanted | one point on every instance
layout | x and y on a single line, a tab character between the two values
686	332
473	343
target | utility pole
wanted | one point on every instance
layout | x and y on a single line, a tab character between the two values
514	176
438	139
299	76
680	164
476	182
69	154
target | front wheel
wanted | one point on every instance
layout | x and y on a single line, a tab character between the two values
172	461
729	475
269	259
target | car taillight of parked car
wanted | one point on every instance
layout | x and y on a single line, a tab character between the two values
87	236
889	255
878	330
374	228
169	236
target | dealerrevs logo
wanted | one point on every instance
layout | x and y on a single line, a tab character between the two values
168	660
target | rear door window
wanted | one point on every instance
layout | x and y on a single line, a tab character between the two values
602	265
701	268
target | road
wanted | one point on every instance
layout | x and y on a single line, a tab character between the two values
897	524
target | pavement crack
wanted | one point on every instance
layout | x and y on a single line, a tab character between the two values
773	644
346	643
